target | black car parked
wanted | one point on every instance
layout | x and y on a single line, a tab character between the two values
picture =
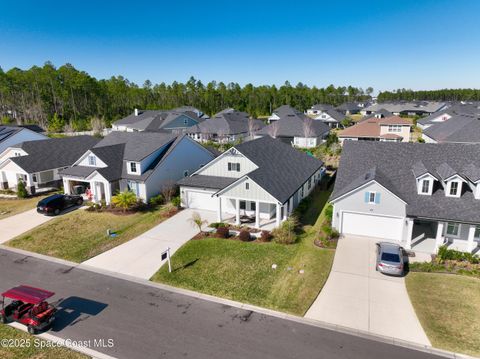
56	203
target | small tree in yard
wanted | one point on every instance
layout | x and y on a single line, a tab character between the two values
124	200
285	234
21	190
196	220
168	191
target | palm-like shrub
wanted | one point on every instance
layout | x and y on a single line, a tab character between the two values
124	200
197	221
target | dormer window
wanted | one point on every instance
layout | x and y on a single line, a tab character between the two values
453	189
425	186
133	167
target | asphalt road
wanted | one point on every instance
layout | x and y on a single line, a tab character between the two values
146	322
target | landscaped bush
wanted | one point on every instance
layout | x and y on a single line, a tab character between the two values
217	225
156	201
244	236
329	212
124	200
266	236
285	234
445	254
21	190
176	201
223	232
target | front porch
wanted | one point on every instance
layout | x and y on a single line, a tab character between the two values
96	191
427	236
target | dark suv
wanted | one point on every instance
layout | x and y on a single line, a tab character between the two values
56	203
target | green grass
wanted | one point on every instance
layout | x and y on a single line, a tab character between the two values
448	307
10	207
81	235
243	271
31	352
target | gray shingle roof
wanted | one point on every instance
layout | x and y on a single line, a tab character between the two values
155	120
212	182
405	106
227	122
322	107
445	171
293	125
53	153
282	169
396	162
458	128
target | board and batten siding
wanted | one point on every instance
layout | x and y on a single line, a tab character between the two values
219	167
254	193
84	160
389	205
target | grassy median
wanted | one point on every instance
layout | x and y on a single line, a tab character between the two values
81	235
23	347
242	271
448	307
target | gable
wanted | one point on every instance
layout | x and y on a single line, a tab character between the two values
84	160
219	166
254	191
181	122
12	152
10	166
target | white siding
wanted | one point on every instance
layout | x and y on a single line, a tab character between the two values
10	172
219	167
255	192
84	160
11	153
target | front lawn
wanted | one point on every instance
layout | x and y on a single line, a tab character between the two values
81	235
31	350
242	271
10	207
448	307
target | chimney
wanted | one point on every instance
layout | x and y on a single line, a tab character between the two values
136	112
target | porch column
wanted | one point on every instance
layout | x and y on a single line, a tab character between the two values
408	239
471	235
290	205
285	211
439	237
279	214
257	214
219	210
66	186
237	212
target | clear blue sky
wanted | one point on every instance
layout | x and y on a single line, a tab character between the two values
422	44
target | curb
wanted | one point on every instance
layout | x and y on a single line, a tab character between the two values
244	306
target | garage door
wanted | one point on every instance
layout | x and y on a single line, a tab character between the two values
201	200
372	226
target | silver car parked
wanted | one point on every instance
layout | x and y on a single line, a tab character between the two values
390	258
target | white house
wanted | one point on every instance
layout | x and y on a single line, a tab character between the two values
37	163
259	182
143	162
422	196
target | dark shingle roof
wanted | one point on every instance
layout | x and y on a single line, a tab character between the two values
213	182
155	120
226	122
458	128
282	169
396	161
294	126
53	153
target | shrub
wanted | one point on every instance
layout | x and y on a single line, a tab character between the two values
266	236
124	200
334	234
170	209
421	140
197	221
223	232
176	201
21	190
217	225
244	236
329	213
445	254
285	234
156	200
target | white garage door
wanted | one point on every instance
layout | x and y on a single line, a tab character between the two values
372	226
201	200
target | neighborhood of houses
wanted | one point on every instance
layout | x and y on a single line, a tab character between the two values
406	173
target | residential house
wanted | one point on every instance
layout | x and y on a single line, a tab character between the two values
420	195
331	117
447	113
412	108
283	111
13	135
457	128
226	126
38	163
143	162
389	129
177	120
259	182
349	108
318	109
295	128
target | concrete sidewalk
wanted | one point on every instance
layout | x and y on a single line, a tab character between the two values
357	296
140	257
15	225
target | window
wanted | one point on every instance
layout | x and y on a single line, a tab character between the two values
17	154
452	229
394	128
133	186
243	205
234	166
247	185
34	177
426	186
372	197
185	121
453	188
253	206
185	173
92	160
477	232
133	167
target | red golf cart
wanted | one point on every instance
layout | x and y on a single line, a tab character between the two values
28	306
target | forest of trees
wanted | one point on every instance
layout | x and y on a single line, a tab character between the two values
431	95
58	97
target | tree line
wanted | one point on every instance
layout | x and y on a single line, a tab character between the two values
430	95
66	97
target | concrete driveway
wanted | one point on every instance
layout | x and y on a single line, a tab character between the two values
140	257
15	225
357	296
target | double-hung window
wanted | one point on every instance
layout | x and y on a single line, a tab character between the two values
92	160
452	229
372	197
133	167
426	186
234	166
453	188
